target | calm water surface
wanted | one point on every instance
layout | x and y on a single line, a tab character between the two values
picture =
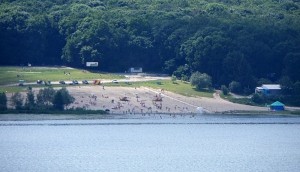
203	143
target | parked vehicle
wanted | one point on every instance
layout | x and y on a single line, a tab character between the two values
115	81
21	82
39	81
62	82
47	83
75	82
85	82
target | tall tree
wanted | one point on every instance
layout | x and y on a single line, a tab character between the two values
3	101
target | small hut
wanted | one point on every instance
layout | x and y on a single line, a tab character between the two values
277	106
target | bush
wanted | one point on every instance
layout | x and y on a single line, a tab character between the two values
174	79
30	102
224	90
235	87
62	98
3	101
201	80
184	78
17	101
45	97
258	98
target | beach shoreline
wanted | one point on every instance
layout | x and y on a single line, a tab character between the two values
140	102
44	117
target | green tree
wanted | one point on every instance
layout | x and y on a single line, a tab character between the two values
286	85
224	90
201	80
292	63
235	87
3	101
62	98
174	78
296	89
17	100
30	101
45	97
258	98
262	81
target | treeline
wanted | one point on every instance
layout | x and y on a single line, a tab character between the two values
46	99
246	41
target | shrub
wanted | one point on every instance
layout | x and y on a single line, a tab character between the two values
3	101
30	102
235	87
174	79
45	97
224	90
258	98
201	80
17	100
62	98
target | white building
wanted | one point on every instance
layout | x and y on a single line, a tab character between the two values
91	64
268	89
135	70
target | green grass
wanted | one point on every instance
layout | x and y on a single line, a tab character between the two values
245	101
12	89
178	87
8	75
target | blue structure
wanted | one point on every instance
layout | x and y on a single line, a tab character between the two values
269	89
277	106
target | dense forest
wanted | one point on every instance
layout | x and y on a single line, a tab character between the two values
247	41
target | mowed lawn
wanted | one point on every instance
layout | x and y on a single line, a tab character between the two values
11	75
179	87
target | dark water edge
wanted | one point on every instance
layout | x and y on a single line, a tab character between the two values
149	119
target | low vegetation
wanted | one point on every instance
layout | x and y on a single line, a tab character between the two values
179	87
12	75
46	99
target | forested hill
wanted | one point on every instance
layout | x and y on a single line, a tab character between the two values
231	40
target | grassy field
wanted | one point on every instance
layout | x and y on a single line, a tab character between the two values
11	75
178	87
245	101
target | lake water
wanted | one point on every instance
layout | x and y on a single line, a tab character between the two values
183	144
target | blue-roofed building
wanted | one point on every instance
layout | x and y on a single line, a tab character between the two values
277	106
269	89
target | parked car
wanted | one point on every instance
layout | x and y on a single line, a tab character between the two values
115	81
47	83
85	82
62	82
39	81
75	82
21	82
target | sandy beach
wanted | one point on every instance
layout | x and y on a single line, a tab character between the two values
143	100
125	100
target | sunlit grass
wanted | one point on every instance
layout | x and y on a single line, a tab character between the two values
12	89
10	75
178	87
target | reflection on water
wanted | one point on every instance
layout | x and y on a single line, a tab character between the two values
203	143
